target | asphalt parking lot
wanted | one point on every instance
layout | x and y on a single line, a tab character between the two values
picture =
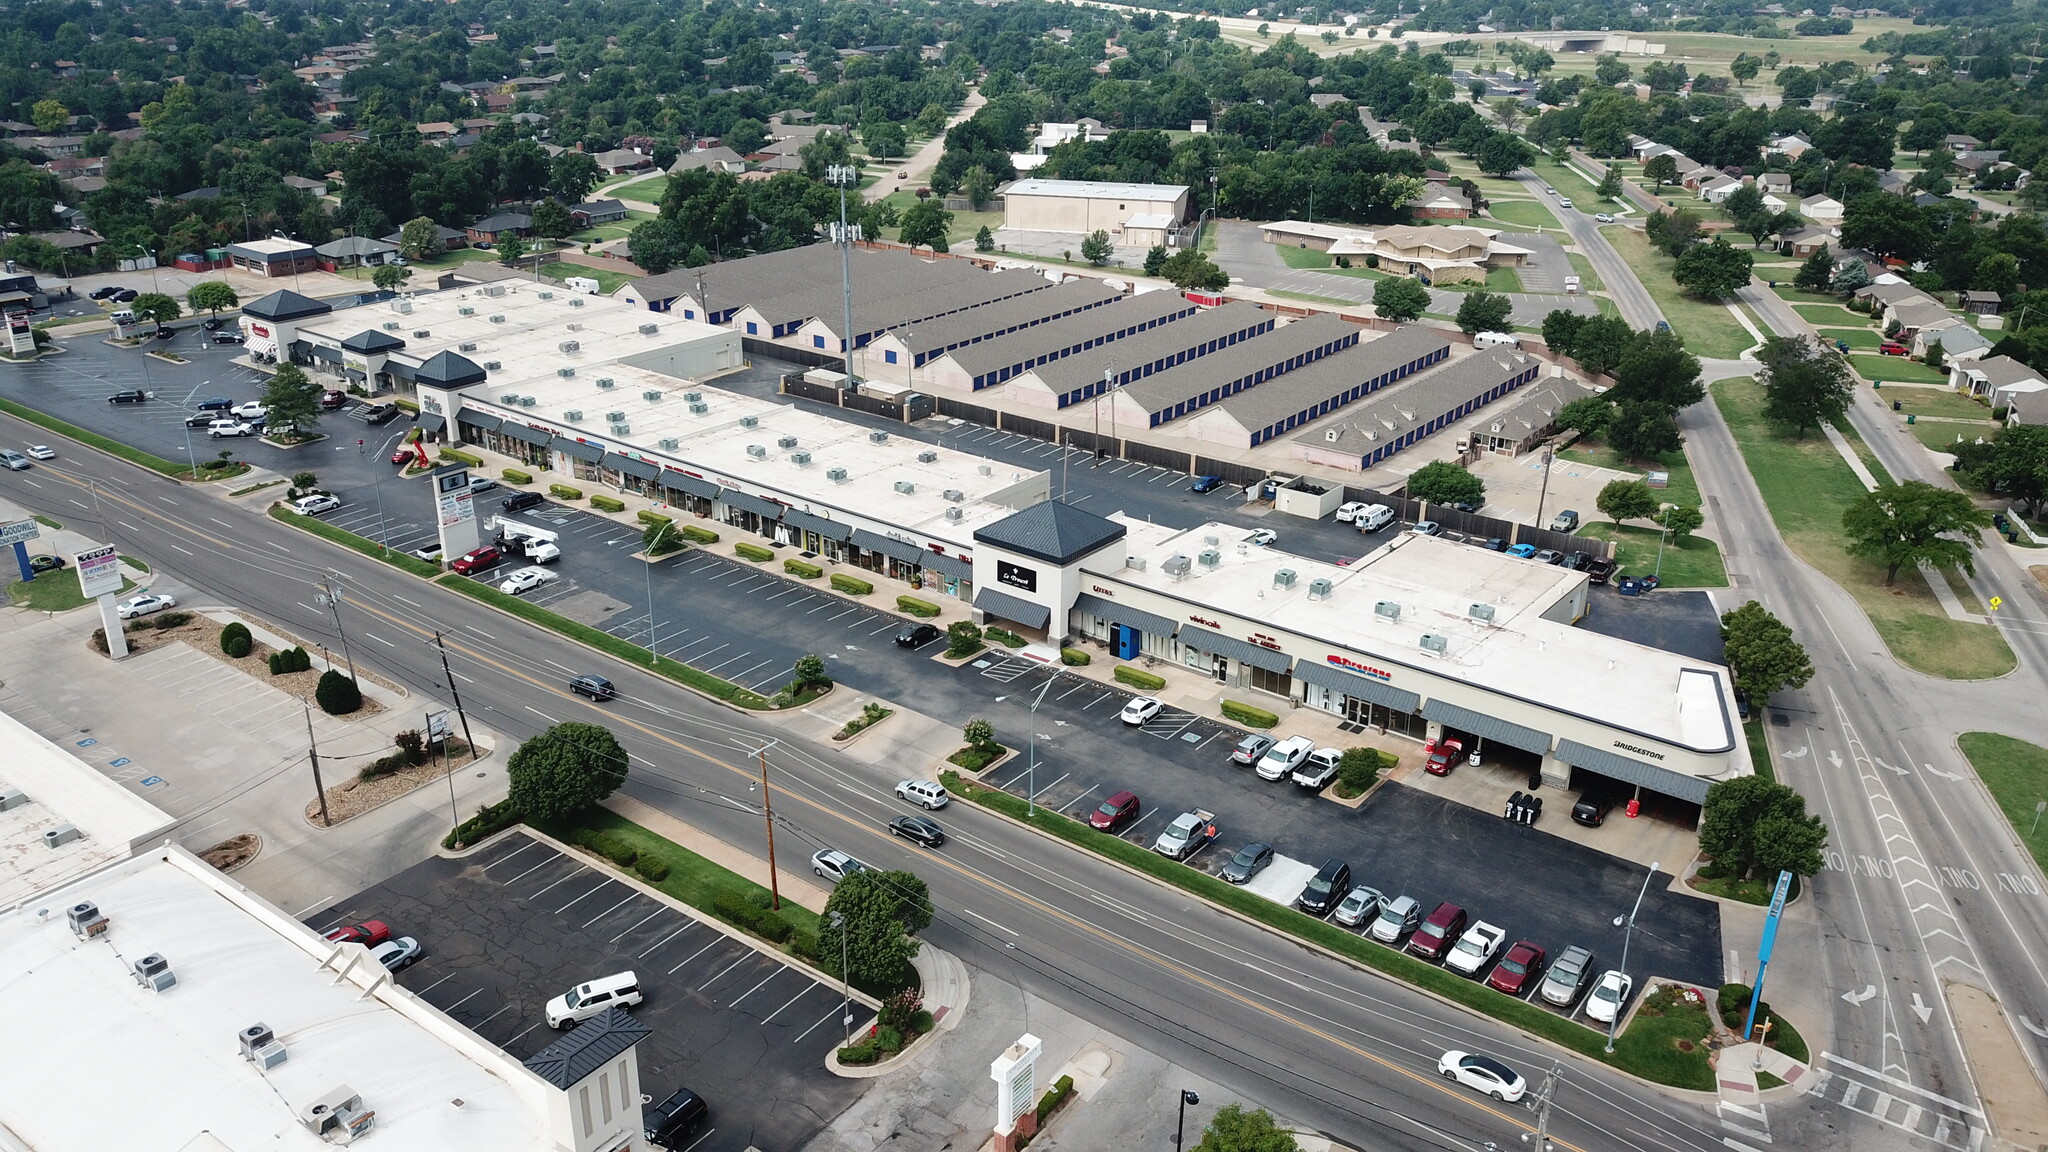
519	923
1676	621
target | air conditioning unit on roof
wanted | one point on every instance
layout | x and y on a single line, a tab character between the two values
573	415
465	347
757	451
670	443
391	325
699	408
649	329
493	365
615	417
547	295
465	310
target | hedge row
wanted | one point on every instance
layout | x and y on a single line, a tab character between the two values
564	492
743	913
488	822
802	569
615	849
1249	716
650	516
924	609
754	552
515	476
851	585
1139	679
1075	657
698	535
469	458
607	504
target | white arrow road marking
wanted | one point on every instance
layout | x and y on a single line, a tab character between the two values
1938	772
1858	998
1921	1009
1835	759
1800	753
2036	1029
1893	768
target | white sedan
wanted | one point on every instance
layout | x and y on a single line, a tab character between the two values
527	579
1346	513
1602	218
397	955
250	410
835	865
1262	537
41	452
1483	1074
144	604
1142	709
1608	996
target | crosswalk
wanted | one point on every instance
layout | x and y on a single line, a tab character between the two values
1889	1100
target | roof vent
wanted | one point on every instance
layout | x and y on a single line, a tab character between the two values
757	451
391	325
1135	563
1284	578
985	470
1481	612
465	347
800	459
836	475
750	421
927	457
493	365
1431	642
1320	588
1333	435
565	373
649	329
905	487
570	346
573	415
622	429
878	437
61	835
12	798
466	310
1387	609
576	326
953	514
670	443
1177	566
85	920
1210	557
497	318
785	441
339	1117
955	495
699	408
154	973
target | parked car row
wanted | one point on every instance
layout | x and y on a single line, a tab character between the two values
394	953
1296	758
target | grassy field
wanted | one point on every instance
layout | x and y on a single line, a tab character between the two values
1939	402
1306	298
1896	368
1694	562
2016	774
53	592
1681	488
1564	179
608	281
1807	486
1858	339
1831	314
1528	213
1295	257
1708	329
1941	435
691	878
648	191
1791	295
1759	746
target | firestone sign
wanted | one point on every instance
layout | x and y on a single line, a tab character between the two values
1347	663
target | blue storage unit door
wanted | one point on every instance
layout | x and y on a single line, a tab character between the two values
1128	640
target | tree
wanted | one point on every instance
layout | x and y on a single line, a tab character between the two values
1265	30
1853	275
1805	383
1155	259
1442	482
1762	652
1753	821
1600	343
571	176
1502	153
984	240
870	918
1399	298
979	734
1096	248
337	693
1744	69
659	245
925	225
1626	500
156	306
963	638
1900	524
746	136
419	239
291	400
1656	367
1588	415
1561	329
2016	465
1483	311
1817	273
211	296
1886	225
389	277
564	770
49	116
1998	272
511	250
1681	520
1644	430
977	184
1235	1130
809	669
551	219
1610	184
1712	270
884	139
1662	169
1189	269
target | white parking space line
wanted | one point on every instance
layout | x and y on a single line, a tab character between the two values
1097	700
529	871
450	1010
715	941
729	660
737	961
801	993
665	939
601	884
630	897
743	673
658	910
834	1014
558	883
510	855
778	970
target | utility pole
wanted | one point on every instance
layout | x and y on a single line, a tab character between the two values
1543	493
455	696
313	754
768	814
330	595
844	175
1542	1106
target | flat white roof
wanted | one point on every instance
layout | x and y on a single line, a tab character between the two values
61	790
1095	190
1150	220
272	246
103	1062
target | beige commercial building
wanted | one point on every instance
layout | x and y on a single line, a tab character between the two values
1130	213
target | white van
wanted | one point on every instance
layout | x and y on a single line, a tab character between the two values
580	1003
1496	340
1373	517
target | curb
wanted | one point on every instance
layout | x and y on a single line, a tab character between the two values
897	1062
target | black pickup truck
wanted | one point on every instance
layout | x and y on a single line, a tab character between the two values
1599	571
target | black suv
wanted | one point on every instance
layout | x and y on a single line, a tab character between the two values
1593	806
521	500
131	396
1323	890
595	687
919	829
917	635
672	1123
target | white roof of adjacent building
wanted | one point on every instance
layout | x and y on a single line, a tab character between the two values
1150	220
1095	190
62	790
116	1065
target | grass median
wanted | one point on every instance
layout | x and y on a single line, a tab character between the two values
1694	562
1707	328
2016	774
1637	1052
350	540
607	643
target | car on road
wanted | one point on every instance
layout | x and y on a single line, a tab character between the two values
1564	201
835	865
1426	528
1444	756
250	410
1141	710
596	687
226	338
1518	969
1564	521
1476	948
315	504
1262	537
1602	218
917	635
222	428
519	501
1592	807
481	483
104	293
1549	556
478	559
1398	917
1249	750
1358	907
46	563
1283	758
1483	1074
431	553
1525	551
397	955
369	933
1321	767
1609	996
527	579
1348	513
1116	813
130	396
927	794
1565	982
14	461
1250	860
674	1122
1893	348
1206	484
918	830
1325	888
144	604
1434	935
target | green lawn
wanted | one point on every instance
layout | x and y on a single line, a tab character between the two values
1529	213
1940	435
1694	562
1807	486
1680	489
54	592
1896	368
1565	180
1831	314
1589	280
1858	339
1329	301
1759	745
648	191
1297	257
2016	774
691	878
1939	402
1789	294
608	281
1707	328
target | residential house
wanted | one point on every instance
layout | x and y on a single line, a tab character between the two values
53	146
1327	99
1775	203
1895	182
1979	303
356	251
308	186
1887	290
450	238
1978	163
1718	187
719	159
1958	142
620	161
1806	241
435	130
1793	146
2003	382
1822	207
1775	184
1954	336
1439	202
198	194
597	212
85	242
67	167
489	229
1913	315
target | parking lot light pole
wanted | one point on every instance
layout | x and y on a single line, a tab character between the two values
1630	921
845	988
653	657
383	526
1031	765
1180	1130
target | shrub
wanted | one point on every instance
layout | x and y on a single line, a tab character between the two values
754	552
1005	637
900	1010
302	660
963	638
235	640
1139	679
698	535
1249	716
615	849
861	1053
277	663
804	942
172	620
564	492
489	821
1359	769
774	927
1054	1097
607	504
660	539
802	568
99	640
469	458
515	476
923	609
1075	657
651	868
650	516
338	695
413	743
851	585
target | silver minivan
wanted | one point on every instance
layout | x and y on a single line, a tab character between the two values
1398	917
620	990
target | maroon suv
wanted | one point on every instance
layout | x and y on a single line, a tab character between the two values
1439	932
1116	812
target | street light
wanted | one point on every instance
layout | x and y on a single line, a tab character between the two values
653	657
1180	1130
383	526
1031	766
1630	921
845	989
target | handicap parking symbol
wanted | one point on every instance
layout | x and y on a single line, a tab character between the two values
119	762
151	781
87	742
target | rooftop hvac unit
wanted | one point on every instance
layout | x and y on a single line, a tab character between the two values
1320	588
699	408
1284	578
154	973
494	289
954	495
670	443
1212	540
61	835
800	459
693	396
547	295
927	457
576	302
338	1117
1387	609
1211	557
1431	642
615	417
649	329
836	475
493	365
757	451
526	401
622	429
1481	612
750	421
565	373
85	920
497	317
1135	563
509	398
573	415
12	798
391	325
401	305
605	382
1177	566
953	514
878	437
653	394
985	470
466	310
260	1046
420	333
905	487
465	347
785	441
569	346
575	325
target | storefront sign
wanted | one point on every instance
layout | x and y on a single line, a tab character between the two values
1638	751
1349	664
1099	590
1016	576
259	330
1206	622
1265	641
99	571
454	499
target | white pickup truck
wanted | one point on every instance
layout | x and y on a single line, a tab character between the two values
1188	832
538	544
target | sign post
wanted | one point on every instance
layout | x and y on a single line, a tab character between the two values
1763	954
99	578
19	535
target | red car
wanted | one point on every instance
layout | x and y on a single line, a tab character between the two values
478	560
1444	756
369	933
1892	348
1439	932
404	455
1518	969
1116	812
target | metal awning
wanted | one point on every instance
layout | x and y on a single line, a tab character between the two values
323	352
628	466
430	423
1487	727
765	509
902	550
481	421
1633	771
997	602
948	565
702	488
1242	651
810	522
530	435
588	453
1115	613
1357	687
